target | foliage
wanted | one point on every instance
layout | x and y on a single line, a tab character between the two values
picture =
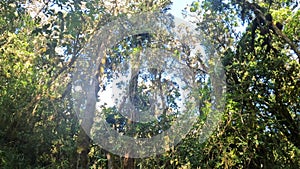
257	41
261	123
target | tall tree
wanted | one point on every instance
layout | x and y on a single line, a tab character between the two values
262	68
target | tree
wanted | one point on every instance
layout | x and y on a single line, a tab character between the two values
262	114
41	46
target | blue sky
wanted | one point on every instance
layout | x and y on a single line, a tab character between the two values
178	6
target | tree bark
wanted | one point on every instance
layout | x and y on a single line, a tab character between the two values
128	163
83	150
86	125
110	161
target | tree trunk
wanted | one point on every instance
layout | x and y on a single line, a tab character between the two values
128	163
83	150
86	125
110	161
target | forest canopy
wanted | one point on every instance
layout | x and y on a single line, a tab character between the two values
256	42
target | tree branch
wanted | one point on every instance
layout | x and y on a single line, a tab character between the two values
278	32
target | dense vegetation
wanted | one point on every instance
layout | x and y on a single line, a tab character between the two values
41	41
